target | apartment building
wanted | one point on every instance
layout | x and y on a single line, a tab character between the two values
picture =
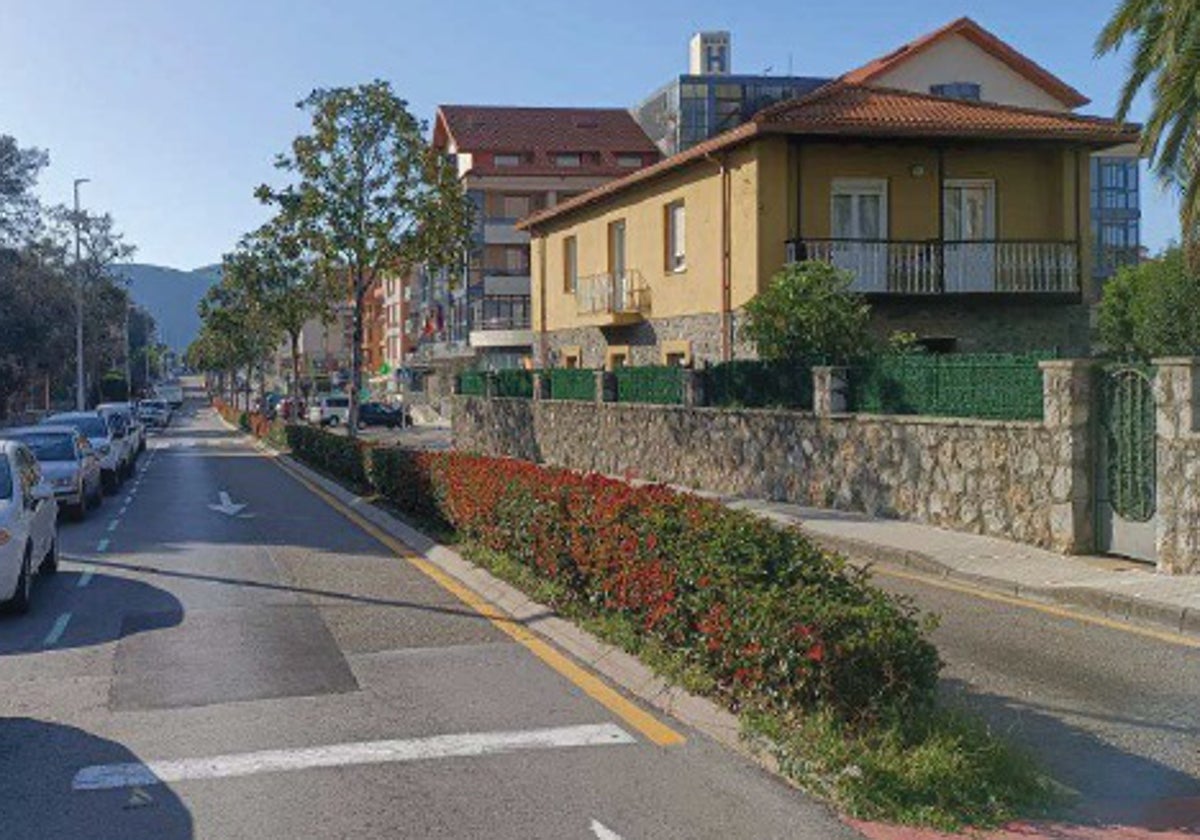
950	180
513	161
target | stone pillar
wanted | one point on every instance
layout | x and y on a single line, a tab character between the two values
1067	396
433	385
1177	447
693	387
606	386
830	390
489	385
541	385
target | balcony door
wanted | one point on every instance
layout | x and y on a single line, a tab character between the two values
616	263
969	208
858	222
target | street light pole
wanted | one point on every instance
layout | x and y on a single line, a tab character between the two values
80	395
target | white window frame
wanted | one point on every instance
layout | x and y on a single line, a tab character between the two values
568	160
506	160
676	236
631	161
570	264
861	186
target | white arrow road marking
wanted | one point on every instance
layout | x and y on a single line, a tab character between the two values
227	506
602	832
112	776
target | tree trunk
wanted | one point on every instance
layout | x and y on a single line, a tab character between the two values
356	353
294	391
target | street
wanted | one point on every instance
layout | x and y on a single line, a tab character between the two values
1110	713
223	655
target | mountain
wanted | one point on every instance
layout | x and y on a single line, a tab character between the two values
171	296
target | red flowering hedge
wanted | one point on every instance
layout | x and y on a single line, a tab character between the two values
777	622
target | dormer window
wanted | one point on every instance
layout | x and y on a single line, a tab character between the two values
571	159
507	160
969	91
631	161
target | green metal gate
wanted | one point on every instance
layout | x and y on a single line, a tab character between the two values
1127	473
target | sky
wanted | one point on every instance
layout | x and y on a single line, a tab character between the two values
175	109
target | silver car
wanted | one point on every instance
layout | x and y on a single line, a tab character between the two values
28	525
100	436
68	464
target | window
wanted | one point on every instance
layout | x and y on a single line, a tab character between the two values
616	248
516	259
6	482
570	160
859	208
957	90
570	265
507	160
631	161
617	357
515	206
676	237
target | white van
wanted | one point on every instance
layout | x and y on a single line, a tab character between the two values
331	410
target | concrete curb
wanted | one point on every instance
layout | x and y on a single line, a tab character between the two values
1110	605
615	665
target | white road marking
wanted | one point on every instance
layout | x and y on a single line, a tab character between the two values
86	577
602	832
102	546
112	526
124	508
60	627
112	776
227	505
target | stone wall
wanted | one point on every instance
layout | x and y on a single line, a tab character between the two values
1177	495
1008	479
988	325
646	339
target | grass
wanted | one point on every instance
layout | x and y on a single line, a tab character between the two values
945	769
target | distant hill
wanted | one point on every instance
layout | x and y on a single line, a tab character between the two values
171	296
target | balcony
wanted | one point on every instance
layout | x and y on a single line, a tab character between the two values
604	300
896	267
501	321
502	232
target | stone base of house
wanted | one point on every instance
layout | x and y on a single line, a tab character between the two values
697	338
988	324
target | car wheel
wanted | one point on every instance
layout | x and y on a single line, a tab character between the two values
50	561
23	595
110	483
97	497
334	420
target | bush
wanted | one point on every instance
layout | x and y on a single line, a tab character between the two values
808	311
1151	309
778	624
337	456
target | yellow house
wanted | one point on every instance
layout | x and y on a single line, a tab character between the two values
962	221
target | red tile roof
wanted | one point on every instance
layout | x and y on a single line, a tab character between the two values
539	133
989	43
841	109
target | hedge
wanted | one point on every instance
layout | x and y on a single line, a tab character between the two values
778	624
337	456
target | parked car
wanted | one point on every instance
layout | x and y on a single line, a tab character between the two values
378	414
171	392
68	464
123	442
331	410
135	429
100	436
155	413
28	525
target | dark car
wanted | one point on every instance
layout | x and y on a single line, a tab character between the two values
378	414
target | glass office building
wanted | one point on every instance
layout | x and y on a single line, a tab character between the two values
1116	214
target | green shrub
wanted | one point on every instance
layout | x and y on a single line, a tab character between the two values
1151	309
808	311
332	454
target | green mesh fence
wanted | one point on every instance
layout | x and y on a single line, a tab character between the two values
661	385
472	383
1001	387
572	384
756	384
514	383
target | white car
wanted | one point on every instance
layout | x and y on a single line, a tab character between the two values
135	428
28	525
330	410
68	465
155	413
100	436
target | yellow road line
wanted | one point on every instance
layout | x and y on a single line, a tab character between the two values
591	685
1049	609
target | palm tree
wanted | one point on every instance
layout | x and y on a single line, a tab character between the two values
1165	36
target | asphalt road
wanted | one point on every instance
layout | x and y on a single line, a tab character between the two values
1113	714
286	676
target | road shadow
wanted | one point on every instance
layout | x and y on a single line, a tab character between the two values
38	762
92	619
1114	786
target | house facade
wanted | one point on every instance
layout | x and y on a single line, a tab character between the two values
965	222
512	162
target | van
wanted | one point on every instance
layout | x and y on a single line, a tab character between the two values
330	411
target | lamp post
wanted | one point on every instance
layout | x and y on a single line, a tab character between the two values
80	395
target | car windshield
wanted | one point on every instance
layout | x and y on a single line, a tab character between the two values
49	446
91	425
6	484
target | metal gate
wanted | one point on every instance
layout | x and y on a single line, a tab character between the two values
1127	472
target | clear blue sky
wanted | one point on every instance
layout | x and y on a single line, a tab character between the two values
175	110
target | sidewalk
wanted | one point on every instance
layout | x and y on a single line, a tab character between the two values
1112	587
